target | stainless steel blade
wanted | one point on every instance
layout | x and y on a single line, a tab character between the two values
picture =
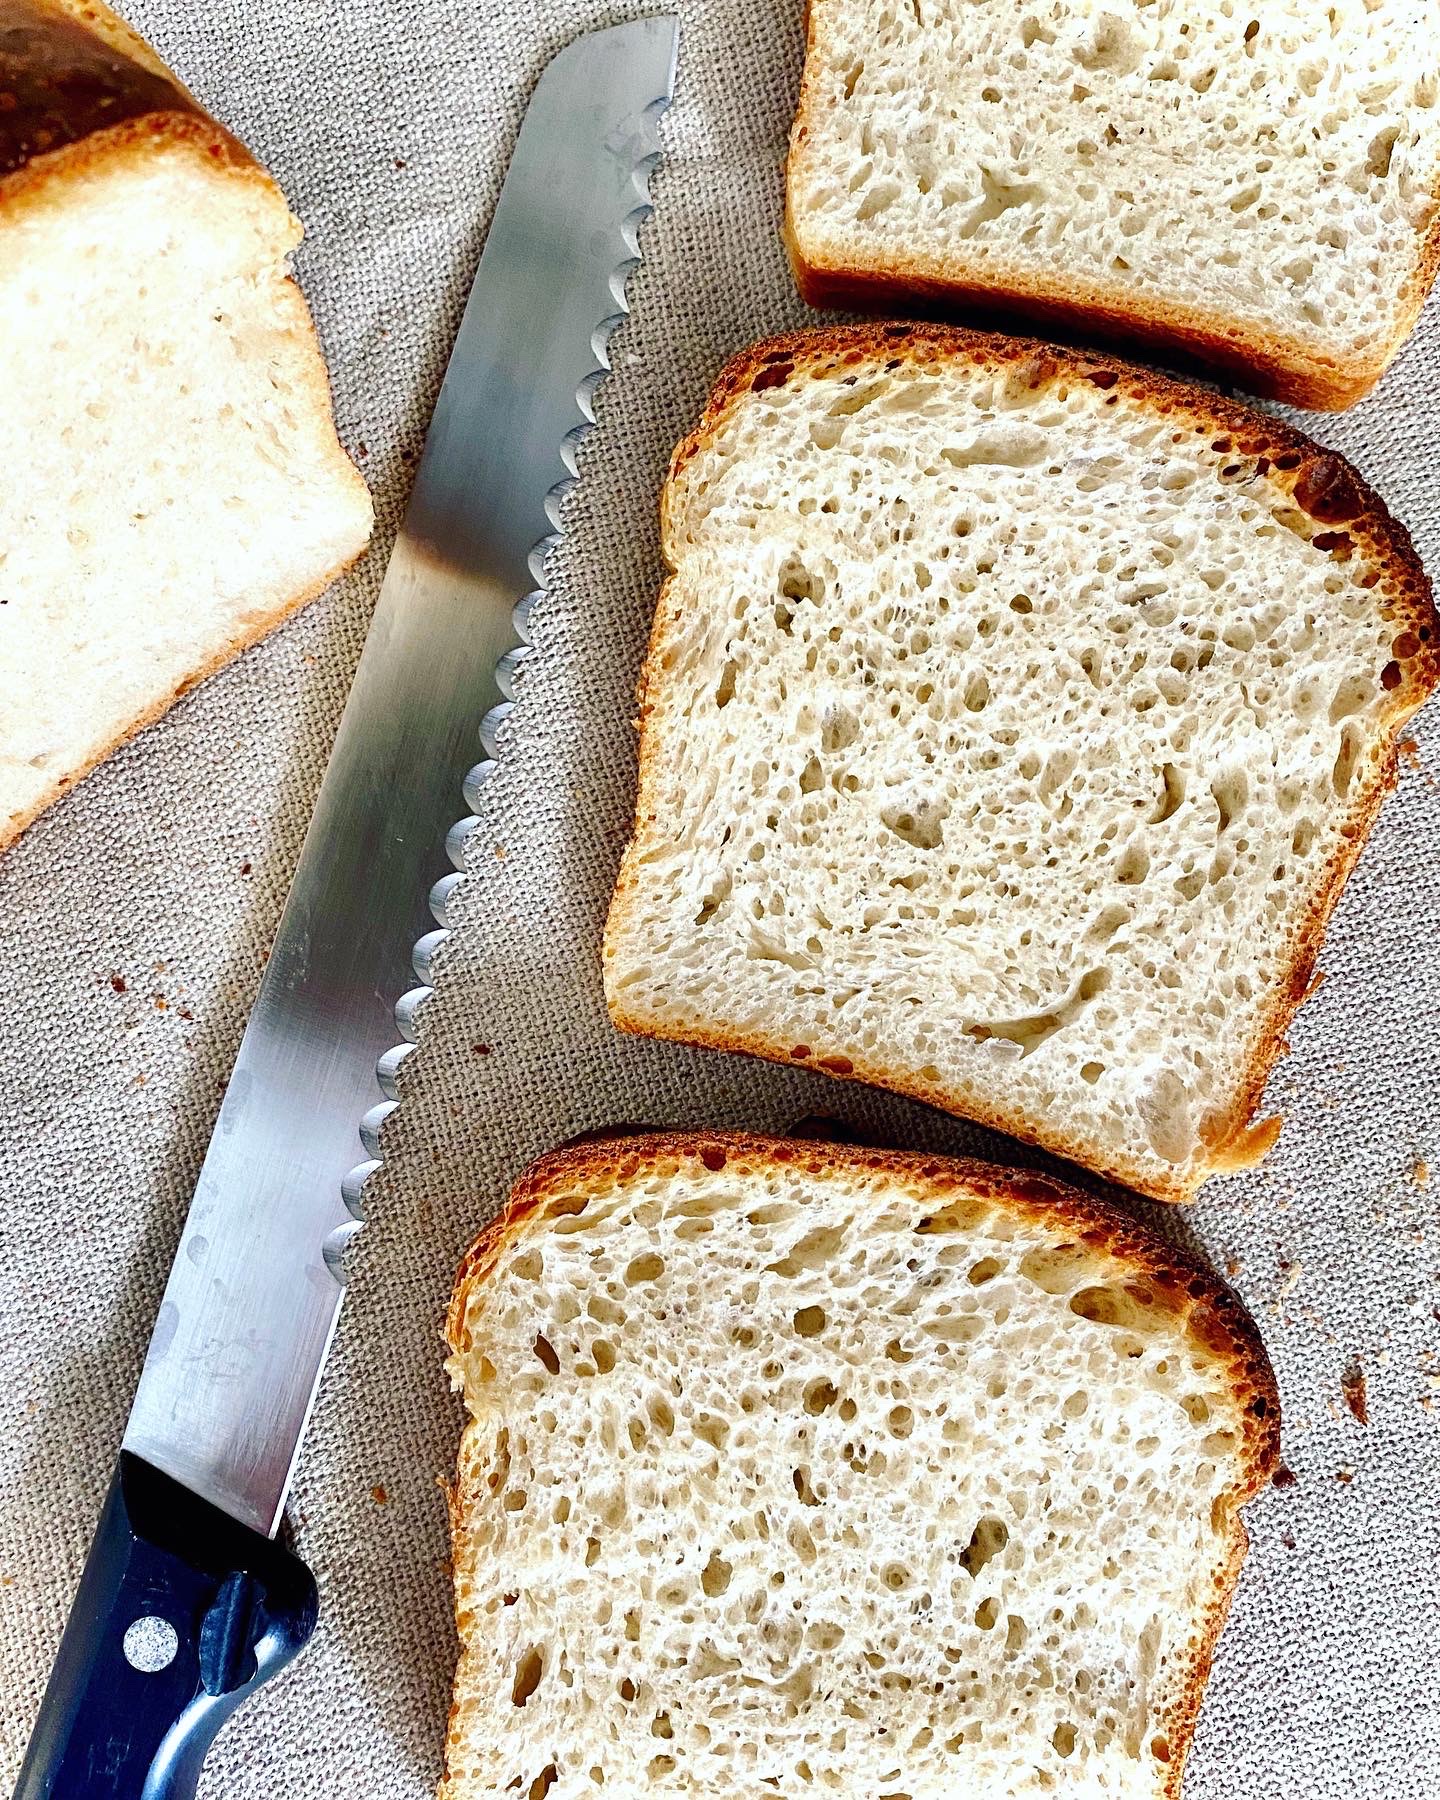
252	1300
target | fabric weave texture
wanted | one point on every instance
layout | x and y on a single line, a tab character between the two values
134	919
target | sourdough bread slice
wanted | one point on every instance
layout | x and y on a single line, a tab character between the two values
173	483
1010	723
796	1468
1258	186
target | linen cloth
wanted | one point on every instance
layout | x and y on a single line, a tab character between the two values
134	919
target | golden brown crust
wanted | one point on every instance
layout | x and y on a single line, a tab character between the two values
77	83
1314	480
1210	1313
1269	367
1290	369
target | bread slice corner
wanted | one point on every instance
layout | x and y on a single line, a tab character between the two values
1012	720
798	1466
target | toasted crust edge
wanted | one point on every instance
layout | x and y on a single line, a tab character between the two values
1209	1310
1276	368
82	83
1366	519
153	110
14	827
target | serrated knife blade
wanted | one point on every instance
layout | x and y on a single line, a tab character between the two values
251	1304
186	1605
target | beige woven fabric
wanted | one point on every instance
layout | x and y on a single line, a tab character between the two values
133	920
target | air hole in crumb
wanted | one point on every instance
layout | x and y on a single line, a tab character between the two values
528	1671
1346	758
988	1539
715	1576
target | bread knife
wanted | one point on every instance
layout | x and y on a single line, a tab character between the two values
188	1603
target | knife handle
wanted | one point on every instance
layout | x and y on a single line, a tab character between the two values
181	1614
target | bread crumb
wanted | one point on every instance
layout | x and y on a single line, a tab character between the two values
1352	1386
378	1495
1284	1477
245	866
120	985
1234	1268
1290	1273
1345	1476
480	1049
1420	1174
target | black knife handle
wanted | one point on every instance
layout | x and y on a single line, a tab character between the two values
181	1614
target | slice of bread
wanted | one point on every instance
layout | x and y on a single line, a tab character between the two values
796	1469
1258	186
173	484
1010	724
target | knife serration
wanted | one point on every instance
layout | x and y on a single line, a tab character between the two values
253	1297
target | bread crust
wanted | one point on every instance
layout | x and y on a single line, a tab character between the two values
1209	1311
82	91
78	83
12	827
1277	367
1315	480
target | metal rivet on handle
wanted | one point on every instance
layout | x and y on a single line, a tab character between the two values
151	1644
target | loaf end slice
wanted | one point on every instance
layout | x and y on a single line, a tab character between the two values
174	485
1258	189
1011	721
816	1469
